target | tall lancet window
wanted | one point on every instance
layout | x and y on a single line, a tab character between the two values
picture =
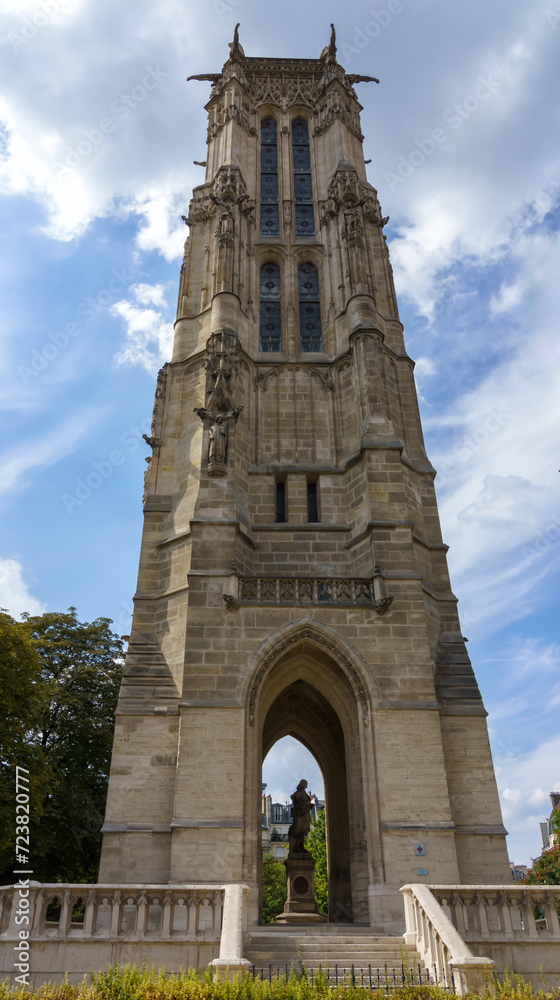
271	335
269	178
309	308
305	225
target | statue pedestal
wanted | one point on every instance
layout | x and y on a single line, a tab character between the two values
300	907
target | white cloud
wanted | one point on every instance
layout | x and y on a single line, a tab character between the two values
424	367
20	462
287	762
76	139
525	782
147	295
531	656
507	298
14	592
149	338
162	228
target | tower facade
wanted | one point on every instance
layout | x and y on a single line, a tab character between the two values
293	578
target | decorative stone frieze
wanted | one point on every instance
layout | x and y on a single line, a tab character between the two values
323	591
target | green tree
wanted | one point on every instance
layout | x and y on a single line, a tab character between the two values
71	727
316	844
274	888
23	705
546	869
555	820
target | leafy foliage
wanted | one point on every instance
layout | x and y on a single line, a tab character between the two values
316	844
24	703
546	869
71	672
128	983
274	888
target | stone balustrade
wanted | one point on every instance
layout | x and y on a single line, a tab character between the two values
75	928
476	930
502	913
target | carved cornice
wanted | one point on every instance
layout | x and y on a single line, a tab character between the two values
244	85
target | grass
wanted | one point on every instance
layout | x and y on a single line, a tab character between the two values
132	983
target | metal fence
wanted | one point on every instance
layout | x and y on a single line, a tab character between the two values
369	977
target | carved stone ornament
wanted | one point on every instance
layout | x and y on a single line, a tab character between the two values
221	364
231	106
292	640
229	185
347	192
337	105
154	439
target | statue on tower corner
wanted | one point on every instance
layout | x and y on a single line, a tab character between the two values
236	50
217	437
328	55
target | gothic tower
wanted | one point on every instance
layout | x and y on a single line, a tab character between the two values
293	579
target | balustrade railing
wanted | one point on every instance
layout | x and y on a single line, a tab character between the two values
442	920
528	912
208	920
190	913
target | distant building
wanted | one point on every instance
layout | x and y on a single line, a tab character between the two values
276	821
548	837
518	872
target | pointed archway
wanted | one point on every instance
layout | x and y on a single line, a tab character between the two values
302	711
306	693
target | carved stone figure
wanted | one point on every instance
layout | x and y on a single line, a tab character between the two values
218	441
226	224
217	437
301	822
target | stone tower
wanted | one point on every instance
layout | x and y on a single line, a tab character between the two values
293	579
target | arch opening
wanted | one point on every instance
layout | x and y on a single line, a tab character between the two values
284	765
307	695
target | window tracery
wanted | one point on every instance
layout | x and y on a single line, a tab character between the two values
309	308
303	192
270	313
269	178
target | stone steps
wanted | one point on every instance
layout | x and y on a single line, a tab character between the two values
327	947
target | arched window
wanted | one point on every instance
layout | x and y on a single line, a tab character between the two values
305	225
269	178
309	309
270	329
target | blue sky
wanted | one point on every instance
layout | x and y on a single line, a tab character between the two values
98	133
